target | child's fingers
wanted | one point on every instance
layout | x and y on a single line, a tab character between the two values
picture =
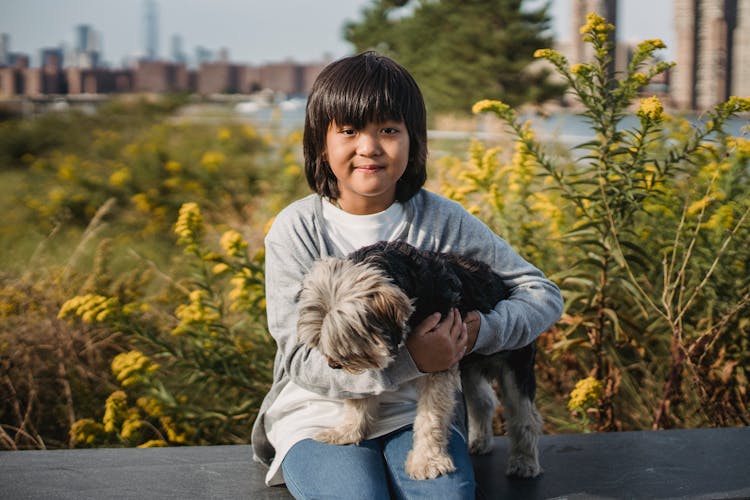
430	323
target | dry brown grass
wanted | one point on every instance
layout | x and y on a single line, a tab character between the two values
50	373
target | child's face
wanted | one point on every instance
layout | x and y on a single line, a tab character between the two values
367	163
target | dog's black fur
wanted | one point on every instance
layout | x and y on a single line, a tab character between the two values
437	282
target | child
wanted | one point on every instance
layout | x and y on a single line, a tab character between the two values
365	148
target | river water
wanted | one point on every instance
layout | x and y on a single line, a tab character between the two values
563	126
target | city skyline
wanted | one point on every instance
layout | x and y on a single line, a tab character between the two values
250	32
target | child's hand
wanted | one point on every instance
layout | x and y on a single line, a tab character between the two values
473	321
436	346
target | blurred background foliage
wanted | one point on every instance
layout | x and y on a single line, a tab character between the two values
475	49
131	292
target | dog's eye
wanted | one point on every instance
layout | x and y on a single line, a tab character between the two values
334	365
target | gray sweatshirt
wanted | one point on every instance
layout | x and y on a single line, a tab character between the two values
297	238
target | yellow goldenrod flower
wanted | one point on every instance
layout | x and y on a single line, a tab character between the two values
741	147
220	268
151	406
172	183
132	367
640	78
700	205
585	394
741	104
224	134
651	44
120	177
651	108
260	255
189	226
721	219
579	69
173	430
212	160
86	431
65	173
293	171
268	225
115	411
90	307
247	290
498	107
199	311
172	166
211	257
233	243
595	24
56	195
141	202
131	425
153	443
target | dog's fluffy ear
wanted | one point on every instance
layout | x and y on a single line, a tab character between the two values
390	312
314	301
352	313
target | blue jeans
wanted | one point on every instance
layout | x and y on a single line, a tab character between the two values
374	469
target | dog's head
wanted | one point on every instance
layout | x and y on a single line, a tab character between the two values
352	313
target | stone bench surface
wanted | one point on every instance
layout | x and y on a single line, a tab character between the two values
695	464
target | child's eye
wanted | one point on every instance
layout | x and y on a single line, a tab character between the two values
390	130
347	131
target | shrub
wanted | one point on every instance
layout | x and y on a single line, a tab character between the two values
194	375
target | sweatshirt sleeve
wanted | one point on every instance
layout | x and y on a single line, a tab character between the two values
535	302
291	249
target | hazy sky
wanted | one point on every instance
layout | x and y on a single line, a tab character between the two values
254	31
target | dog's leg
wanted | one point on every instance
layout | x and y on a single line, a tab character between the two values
480	408
429	456
524	426
358	416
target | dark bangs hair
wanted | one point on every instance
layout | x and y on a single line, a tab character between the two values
355	91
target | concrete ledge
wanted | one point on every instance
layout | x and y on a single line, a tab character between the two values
696	464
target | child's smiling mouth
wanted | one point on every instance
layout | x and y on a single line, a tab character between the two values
369	168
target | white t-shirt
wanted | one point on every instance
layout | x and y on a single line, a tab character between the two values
297	413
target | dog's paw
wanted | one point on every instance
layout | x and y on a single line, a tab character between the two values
338	436
419	466
480	445
523	466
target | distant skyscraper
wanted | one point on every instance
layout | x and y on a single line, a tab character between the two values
4	49
84	37
202	55
741	74
150	30
713	52
52	57
87	47
178	55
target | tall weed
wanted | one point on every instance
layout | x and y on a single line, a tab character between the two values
647	231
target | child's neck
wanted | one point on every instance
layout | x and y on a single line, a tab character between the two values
364	206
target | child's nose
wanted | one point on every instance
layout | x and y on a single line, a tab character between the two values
368	144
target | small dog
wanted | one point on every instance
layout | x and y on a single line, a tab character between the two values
358	311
